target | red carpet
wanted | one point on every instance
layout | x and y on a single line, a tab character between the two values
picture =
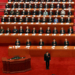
58	66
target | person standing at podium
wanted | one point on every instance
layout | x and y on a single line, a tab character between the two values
47	58
66	43
21	30
28	43
17	43
41	30
1	30
70	30
41	43
54	43
62	31
48	31
27	30
15	30
34	30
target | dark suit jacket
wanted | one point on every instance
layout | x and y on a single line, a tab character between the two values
12	13
44	21
8	20
40	13
50	20
50	13
40	6
3	20
29	13
25	6
30	6
35	6
33	31
46	6
57	13
5	12
8	0
66	44
7	6
15	30
41	31
15	20
51	6
41	44
63	6
62	20
28	30
55	32
28	43
34	12
18	13
16	43
47	58
69	30
33	20
15	0
69	13
68	20
54	43
20	20
14	6
19	6
63	1
26	20
21	31
63	31
49	31
24	13
8	31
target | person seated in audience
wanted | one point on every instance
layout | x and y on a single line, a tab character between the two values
45	13
34	30
21	19
44	19
12	12
52	5
63	0
50	19
54	43
47	0
66	43
69	7
70	0
32	19
19	5
15	0
63	12
58	0
30	6
34	12
13	6
28	43
38	20
58	6
26	19
53	0
62	31
27	30
40	12
26	0
41	30
7	6
57	12
21	30
1	30
68	20
63	6
17	12
15	30
23	12
9	19
15	19
50	13
21	0
35	6
46	6
5	12
70	12
55	31
36	0
55	20
25	5
41	43
48	31
62	19
17	43
70	30
28	13
41	6
9	0
3	19
8	30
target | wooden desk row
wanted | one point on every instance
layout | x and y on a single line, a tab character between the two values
57	51
47	39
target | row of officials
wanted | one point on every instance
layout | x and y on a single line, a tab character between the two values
41	43
35	12
39	0
27	30
37	5
32	19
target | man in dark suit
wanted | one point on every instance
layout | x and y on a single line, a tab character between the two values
58	6
63	6
28	43
44	19
70	12
12	12
47	57
41	6
68	20
50	20
19	5
21	0
28	13
53	0
26	0
14	6
66	43
55	30
40	12
41	30
34	30
38	20
36	0
26	19
1	30
17	12
15	30
3	19
50	13
7	6
15	19
8	30
54	43
63	0
48	31
9	0
15	0
21	19
34	12
30	6
24	12
46	6
57	12
52	5
9	19
27	30
32	19
41	43
70	30
5	12
59	0
21	30
62	31
62	19
25	5
17	43
35	6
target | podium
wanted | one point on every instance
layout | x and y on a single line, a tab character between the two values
16	65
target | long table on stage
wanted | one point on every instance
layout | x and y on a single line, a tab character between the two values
55	51
9	39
